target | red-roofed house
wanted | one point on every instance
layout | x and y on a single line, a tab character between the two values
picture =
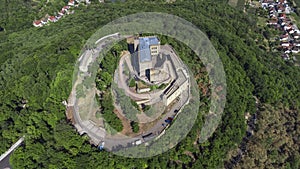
285	44
287	51
296	35
297	44
287	27
295	50
71	3
61	13
44	21
57	17
282	1
52	19
284	37
266	3
37	23
87	1
65	8
281	9
291	31
282	16
272	22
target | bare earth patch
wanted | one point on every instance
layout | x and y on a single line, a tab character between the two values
127	130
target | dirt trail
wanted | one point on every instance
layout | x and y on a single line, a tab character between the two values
125	122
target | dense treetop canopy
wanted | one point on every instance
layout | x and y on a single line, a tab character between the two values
37	68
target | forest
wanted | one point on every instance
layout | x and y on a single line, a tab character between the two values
36	73
103	82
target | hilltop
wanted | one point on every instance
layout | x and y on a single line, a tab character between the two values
36	76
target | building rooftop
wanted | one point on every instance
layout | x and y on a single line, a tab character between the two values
181	79
144	47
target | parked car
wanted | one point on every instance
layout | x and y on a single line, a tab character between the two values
169	120
138	142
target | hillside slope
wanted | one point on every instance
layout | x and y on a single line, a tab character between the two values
36	73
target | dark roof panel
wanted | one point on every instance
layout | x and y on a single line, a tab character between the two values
144	47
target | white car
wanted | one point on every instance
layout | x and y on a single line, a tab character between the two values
138	142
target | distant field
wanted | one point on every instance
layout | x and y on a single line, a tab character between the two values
233	3
241	4
237	3
261	21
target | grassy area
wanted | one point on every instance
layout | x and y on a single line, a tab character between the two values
295	19
134	104
98	115
233	3
80	91
297	62
126	69
109	129
145	107
261	21
162	86
240	4
142	85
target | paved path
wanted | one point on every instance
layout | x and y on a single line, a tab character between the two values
4	164
98	134
12	148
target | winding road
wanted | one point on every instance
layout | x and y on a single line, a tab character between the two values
98	134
